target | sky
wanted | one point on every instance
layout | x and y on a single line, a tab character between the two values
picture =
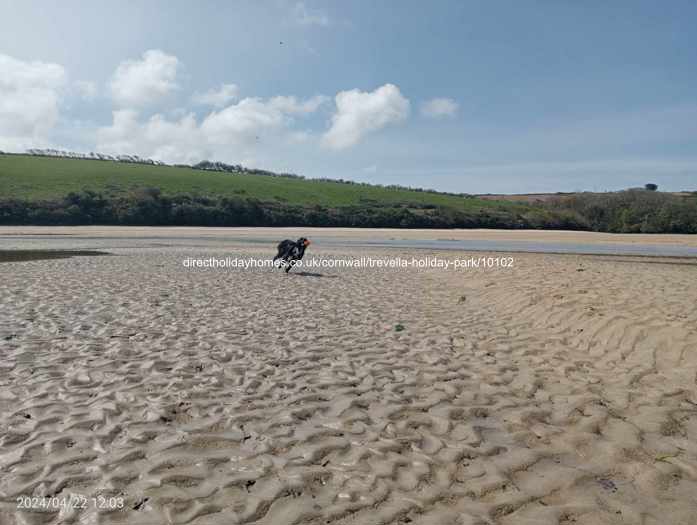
514	96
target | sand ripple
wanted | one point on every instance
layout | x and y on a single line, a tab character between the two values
561	391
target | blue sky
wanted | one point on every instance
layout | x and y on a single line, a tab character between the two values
517	96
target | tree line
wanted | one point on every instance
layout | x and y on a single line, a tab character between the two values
632	211
152	208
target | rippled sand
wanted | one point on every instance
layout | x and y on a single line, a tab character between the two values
563	390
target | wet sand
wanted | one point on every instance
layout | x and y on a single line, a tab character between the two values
561	390
271	234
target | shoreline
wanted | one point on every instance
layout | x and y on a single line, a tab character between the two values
475	241
570	236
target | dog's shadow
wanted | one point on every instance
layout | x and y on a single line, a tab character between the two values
312	274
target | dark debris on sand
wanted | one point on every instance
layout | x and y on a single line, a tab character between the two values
38	255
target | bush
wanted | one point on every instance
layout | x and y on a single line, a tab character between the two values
632	211
149	207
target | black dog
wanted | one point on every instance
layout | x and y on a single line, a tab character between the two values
291	251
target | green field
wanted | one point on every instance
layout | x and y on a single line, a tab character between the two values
33	178
53	191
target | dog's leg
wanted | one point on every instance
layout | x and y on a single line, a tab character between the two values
282	254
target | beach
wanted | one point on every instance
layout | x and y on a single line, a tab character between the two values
552	389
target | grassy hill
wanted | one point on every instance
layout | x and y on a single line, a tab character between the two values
45	178
50	190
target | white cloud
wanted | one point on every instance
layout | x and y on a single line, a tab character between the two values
242	122
217	97
121	136
291	105
137	83
176	141
308	17
29	101
231	134
359	113
439	107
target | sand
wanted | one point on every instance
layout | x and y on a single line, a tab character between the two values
174	232
561	390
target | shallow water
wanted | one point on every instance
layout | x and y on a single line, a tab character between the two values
37	255
538	247
105	242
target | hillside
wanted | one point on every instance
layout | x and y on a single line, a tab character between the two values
55	190
42	178
48	190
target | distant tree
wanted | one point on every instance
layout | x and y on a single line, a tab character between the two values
650	187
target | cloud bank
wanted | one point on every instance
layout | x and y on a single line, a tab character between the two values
240	126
